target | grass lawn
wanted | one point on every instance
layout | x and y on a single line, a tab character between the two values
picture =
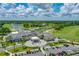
55	44
71	33
9	44
21	49
4	54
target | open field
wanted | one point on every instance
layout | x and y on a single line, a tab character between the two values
70	33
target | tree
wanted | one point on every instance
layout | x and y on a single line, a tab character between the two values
4	31
3	45
27	25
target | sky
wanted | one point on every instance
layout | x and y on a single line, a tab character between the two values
39	11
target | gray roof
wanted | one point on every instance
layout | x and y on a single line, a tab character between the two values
47	36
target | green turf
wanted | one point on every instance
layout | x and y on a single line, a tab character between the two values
55	44
70	33
4	54
21	49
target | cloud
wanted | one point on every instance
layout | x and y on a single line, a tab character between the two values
40	5
37	9
41	9
8	5
69	9
11	10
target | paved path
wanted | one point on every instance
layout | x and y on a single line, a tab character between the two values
42	50
8	52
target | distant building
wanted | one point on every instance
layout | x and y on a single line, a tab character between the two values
35	42
35	39
47	36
